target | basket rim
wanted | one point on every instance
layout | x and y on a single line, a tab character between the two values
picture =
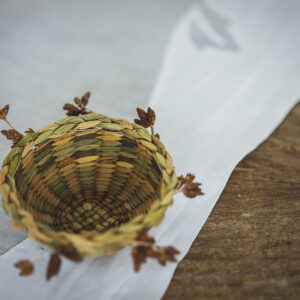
92	243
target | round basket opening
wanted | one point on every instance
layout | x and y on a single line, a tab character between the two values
88	180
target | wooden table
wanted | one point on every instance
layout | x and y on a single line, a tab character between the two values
249	247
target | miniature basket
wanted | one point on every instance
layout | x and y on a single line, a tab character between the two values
90	185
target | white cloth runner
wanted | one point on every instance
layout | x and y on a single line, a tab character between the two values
230	75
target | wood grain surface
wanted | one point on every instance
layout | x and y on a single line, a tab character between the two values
249	247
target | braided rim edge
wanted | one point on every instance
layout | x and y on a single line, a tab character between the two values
90	244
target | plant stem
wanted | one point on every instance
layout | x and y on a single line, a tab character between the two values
12	127
152	129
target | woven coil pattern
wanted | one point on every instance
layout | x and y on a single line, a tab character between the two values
89	183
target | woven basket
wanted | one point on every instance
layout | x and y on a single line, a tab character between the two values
88	185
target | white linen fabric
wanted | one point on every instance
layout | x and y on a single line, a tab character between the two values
51	51
231	73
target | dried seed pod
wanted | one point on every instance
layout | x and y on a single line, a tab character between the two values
29	131
53	265
149	249
13	135
146	119
189	188
4	111
81	104
26	267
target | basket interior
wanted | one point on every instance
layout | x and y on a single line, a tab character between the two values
88	180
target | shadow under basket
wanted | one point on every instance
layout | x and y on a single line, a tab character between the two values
91	185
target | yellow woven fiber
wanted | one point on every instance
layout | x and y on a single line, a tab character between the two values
88	183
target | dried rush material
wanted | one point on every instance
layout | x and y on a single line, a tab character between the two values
90	185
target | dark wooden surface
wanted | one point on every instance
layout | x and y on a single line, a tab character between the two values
249	247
